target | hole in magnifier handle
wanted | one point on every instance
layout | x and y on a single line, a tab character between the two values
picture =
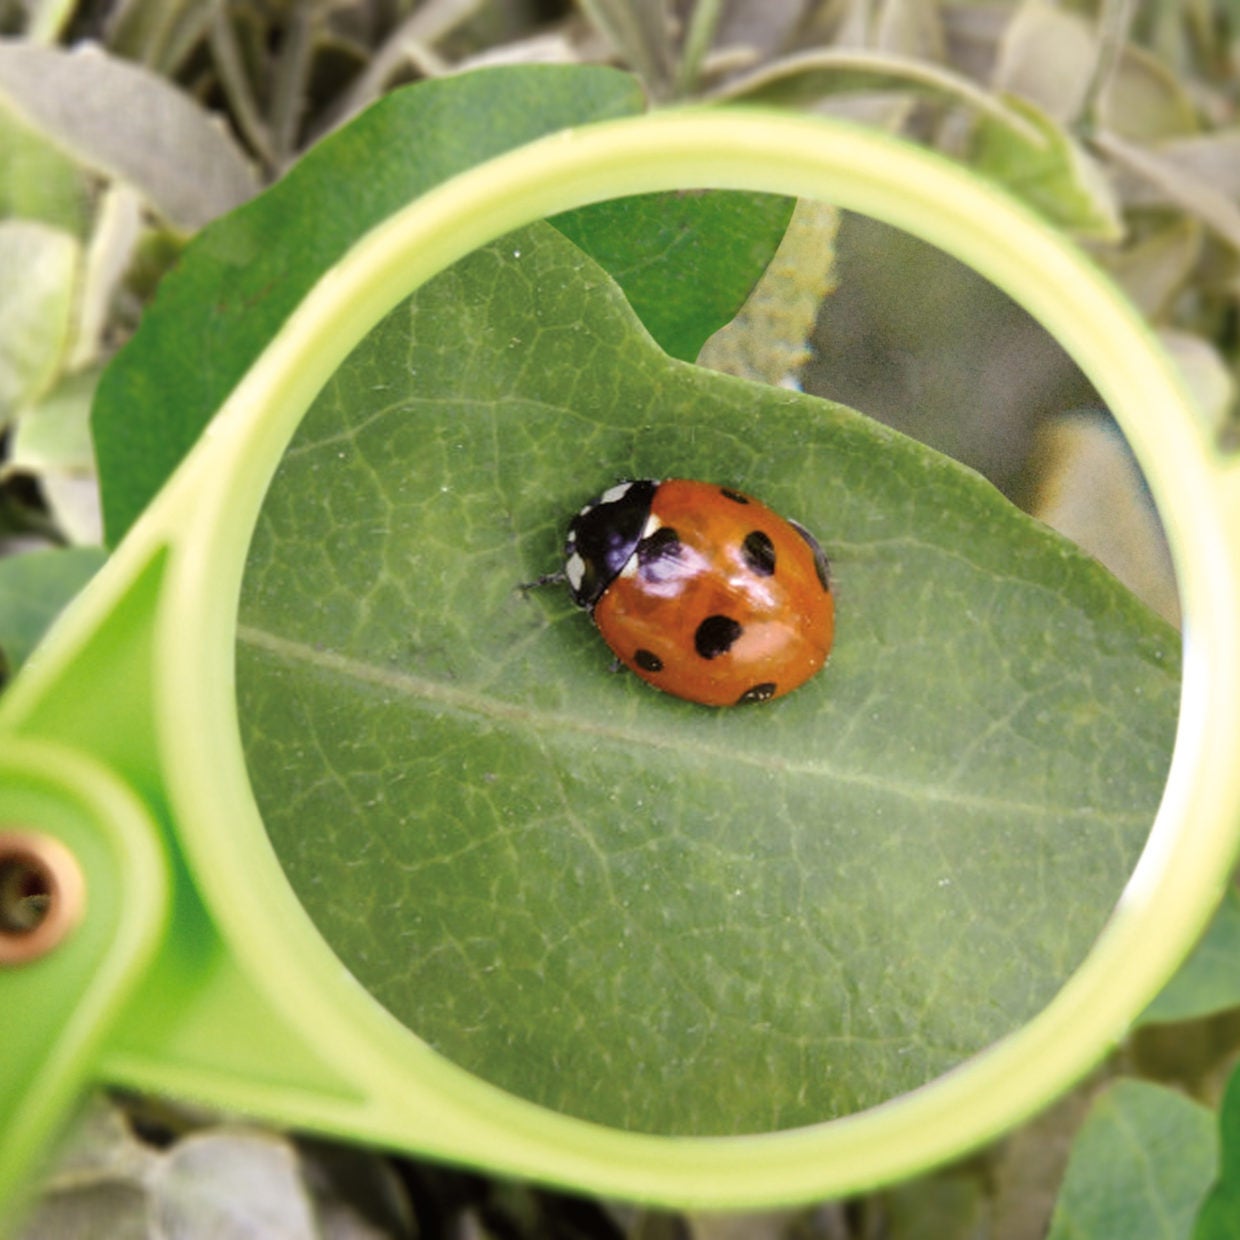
42	895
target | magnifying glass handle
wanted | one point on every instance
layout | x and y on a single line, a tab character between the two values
83	905
111	971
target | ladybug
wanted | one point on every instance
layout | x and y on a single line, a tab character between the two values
701	590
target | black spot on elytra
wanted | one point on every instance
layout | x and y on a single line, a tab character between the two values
715	636
759	553
664	543
822	566
648	661
735	496
758	693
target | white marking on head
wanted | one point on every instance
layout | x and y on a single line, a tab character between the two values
575	570
652	523
614	493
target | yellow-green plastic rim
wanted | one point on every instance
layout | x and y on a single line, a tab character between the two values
410	1096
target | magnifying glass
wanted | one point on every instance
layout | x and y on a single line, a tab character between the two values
554	955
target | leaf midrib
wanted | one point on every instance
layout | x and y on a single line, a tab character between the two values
681	742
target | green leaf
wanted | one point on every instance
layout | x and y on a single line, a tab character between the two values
626	906
39	182
245	275
686	262
1217	1220
1052	172
52	443
1140	1166
36	303
34	588
1209	980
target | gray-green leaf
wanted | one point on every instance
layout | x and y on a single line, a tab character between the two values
119	119
1140	1166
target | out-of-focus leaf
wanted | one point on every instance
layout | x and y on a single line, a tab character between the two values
241	278
1174	184
220	1182
40	182
911	28
1209	980
230	1183
1091	491
39	265
1053	173
52	443
113	243
806	78
1140	1166
686	262
1047	57
34	588
125	122
1217	1220
1147	102
95	1188
1211	159
1154	270
1208	376
99	1143
55	433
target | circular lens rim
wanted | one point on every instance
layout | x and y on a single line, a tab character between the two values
210	518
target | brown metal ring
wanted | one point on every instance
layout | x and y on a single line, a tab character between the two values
42	895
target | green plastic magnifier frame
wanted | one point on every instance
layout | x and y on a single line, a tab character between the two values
237	1000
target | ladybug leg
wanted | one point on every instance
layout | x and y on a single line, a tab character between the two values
547	579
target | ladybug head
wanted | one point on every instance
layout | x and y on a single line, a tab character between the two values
603	536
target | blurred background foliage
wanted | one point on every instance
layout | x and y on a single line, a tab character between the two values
127	125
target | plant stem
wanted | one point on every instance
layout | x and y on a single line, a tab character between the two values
703	23
47	20
638	30
292	67
236	86
1114	23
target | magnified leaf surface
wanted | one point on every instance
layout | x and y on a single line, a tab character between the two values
622	905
